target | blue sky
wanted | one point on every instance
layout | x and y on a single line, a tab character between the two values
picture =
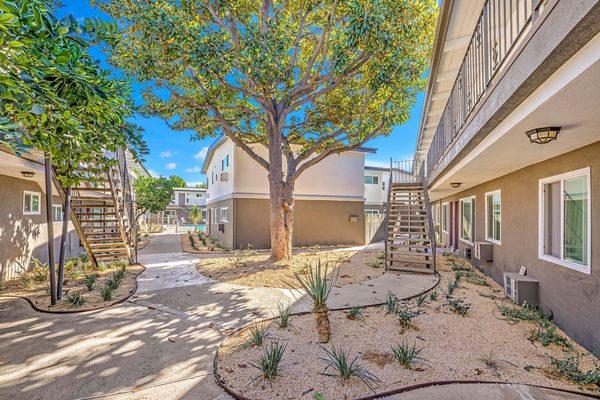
173	153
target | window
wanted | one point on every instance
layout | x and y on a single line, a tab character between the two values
31	203
372	212
493	216
371	180
224	214
383	185
225	163
467	207
445	217
565	230
58	212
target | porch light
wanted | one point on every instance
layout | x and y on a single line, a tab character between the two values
543	135
455	185
27	174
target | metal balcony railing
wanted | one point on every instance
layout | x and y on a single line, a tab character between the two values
500	27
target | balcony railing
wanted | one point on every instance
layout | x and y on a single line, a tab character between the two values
500	27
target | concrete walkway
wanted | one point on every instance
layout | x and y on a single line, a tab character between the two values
158	345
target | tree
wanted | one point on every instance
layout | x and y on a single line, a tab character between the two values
303	79
152	194
55	98
178	181
195	215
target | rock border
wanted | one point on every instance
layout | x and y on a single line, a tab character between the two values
238	396
114	303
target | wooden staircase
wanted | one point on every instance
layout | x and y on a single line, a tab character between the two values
410	242
101	210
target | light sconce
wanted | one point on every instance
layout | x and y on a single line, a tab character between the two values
27	174
455	185
543	135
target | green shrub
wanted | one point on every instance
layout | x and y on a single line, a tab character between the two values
283	316
458	275
407	355
514	314
90	281
338	360
548	335
355	312
269	360
75	299
569	368
475	279
405	316
459	306
258	334
318	396
318	286
192	243
391	303
112	283
452	285
40	272
421	299
433	295
106	292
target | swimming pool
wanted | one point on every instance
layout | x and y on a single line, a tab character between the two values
192	227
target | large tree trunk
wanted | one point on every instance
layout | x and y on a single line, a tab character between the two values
63	243
50	224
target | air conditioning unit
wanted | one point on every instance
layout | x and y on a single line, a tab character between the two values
224	176
222	228
520	288
484	251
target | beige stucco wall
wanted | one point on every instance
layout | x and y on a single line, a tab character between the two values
315	222
573	297
25	236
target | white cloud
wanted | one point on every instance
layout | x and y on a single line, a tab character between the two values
377	163
193	184
171	166
166	154
201	155
153	173
193	169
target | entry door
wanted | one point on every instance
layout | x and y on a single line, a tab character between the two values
454	218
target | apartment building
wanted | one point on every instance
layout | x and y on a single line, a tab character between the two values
510	133
184	199
376	191
329	199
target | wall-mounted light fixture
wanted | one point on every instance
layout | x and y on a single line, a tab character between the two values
455	185
27	174
543	135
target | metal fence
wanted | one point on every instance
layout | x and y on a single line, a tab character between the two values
403	172
501	25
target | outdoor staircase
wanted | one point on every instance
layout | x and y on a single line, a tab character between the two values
410	243
102	211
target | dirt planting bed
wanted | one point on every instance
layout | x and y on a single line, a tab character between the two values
491	342
250	268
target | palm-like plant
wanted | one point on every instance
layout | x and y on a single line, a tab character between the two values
195	215
319	287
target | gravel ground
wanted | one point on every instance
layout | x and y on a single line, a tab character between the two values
481	346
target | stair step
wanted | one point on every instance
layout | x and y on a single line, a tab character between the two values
101	245
86	214
412	240
96	221
91	189
105	235
411	269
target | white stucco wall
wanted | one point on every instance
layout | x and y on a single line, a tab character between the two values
216	187
376	194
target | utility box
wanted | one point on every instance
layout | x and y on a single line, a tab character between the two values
468	253
484	251
224	176
521	288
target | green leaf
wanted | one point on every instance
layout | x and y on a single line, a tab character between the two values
6	18
15	44
37	109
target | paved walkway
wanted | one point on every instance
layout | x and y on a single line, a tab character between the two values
158	345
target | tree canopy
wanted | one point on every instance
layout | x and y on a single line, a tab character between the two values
153	194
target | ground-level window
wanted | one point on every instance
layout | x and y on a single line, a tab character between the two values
445	217
565	210
371	180
467	208
58	212
224	214
493	209
372	212
31	203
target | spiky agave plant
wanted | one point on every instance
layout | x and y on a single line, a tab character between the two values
341	362
318	288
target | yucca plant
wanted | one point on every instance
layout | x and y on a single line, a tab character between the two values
318	288
405	316
452	285
283	315
269	360
421	299
75	299
345	366
407	355
433	295
258	334
106	292
90	281
355	312
391	303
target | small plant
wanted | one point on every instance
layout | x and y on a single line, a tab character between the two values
433	295
407	355
405	316
338	360
75	299
40	271
283	316
318	396
490	361
452	285
258	334
569	368
112	283
355	313
106	292
421	299
391	303
548	335
459	306
458	275
460	267
192	242
269	360
90	281
378	261
524	313
476	280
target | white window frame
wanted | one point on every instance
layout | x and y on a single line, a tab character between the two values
372	212
446	220
373	177
226	219
55	213
586	269
39	196
460	227
488	237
